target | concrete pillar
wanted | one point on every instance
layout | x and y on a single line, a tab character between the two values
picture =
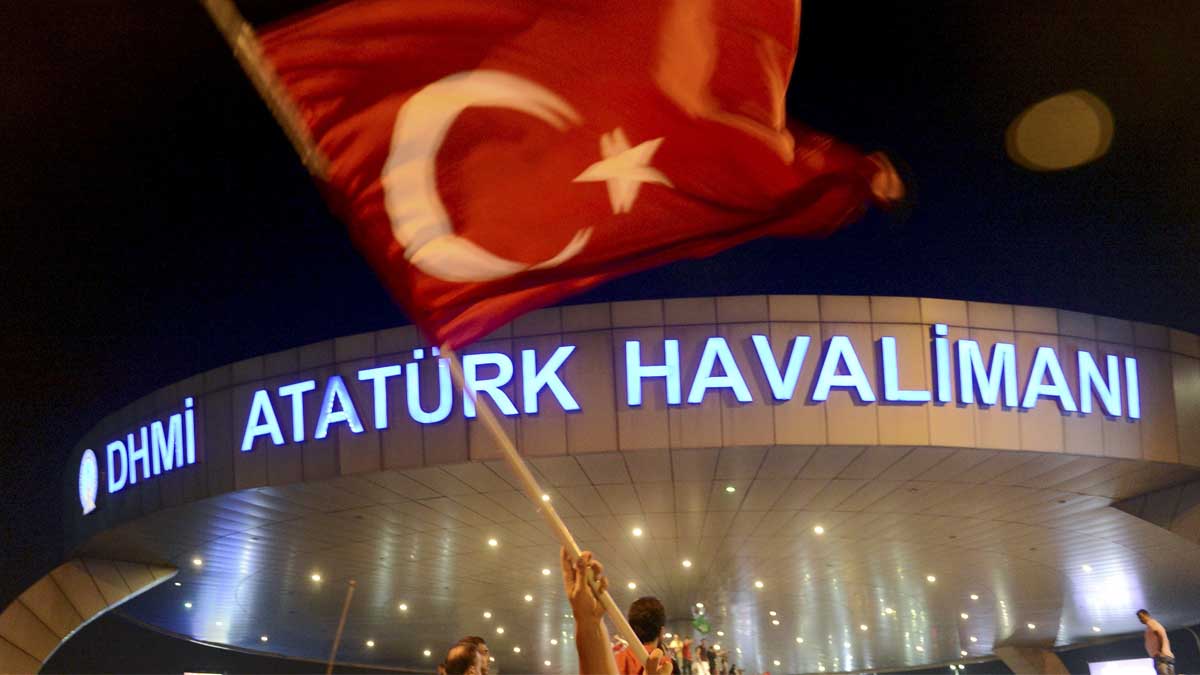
1032	661
50	611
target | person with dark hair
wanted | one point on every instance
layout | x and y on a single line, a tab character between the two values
591	636
1158	647
464	658
481	649
647	617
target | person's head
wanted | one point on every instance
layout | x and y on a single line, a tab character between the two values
464	658
1143	616
647	616
703	642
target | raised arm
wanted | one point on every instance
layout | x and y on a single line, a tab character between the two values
591	635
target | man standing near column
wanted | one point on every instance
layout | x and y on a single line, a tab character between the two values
1158	647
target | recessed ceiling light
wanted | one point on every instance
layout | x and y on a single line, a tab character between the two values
315	577
263	638
187	605
1031	626
197	562
730	489
964	616
631	585
846	645
553	641
687	563
492	659
220	623
720	633
962	652
1095	629
862	626
666	635
974	596
930	578
818	530
774	622
772	613
178	584
545	571
403	607
516	650
487	615
920	648
758	584
427	652
493	542
545	497
799	640
370	643
637	531
889	610
974	639
528	598
776	662
700	605
546	663
1086	568
500	630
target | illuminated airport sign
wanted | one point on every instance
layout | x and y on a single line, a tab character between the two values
417	385
1108	384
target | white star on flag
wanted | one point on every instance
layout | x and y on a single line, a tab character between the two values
624	169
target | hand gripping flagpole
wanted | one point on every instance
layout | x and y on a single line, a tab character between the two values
241	38
541	502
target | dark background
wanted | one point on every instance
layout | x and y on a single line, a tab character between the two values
156	223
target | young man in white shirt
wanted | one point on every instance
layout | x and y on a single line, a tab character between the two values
1158	647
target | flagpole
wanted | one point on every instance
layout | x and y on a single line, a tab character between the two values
245	45
541	502
337	637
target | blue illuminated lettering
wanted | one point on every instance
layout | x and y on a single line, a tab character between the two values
296	393
490	386
1046	363
116	481
782	387
534	380
716	349
413	389
891	377
1002	370
1090	380
166	449
1131	388
138	453
635	372
842	351
336	394
260	408
941	350
189	429
378	377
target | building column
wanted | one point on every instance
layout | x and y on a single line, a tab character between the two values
68	598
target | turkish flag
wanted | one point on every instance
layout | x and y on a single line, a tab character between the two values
493	157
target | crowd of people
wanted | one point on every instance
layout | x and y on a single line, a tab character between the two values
600	654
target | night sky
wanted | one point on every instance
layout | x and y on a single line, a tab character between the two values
157	224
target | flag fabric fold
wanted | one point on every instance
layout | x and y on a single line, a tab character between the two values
492	158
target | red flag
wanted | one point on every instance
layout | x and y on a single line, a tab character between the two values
491	158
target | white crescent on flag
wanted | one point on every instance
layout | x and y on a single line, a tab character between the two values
418	217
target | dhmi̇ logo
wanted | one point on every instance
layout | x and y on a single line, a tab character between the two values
89	481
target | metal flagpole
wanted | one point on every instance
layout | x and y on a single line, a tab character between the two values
541	502
337	637
241	38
